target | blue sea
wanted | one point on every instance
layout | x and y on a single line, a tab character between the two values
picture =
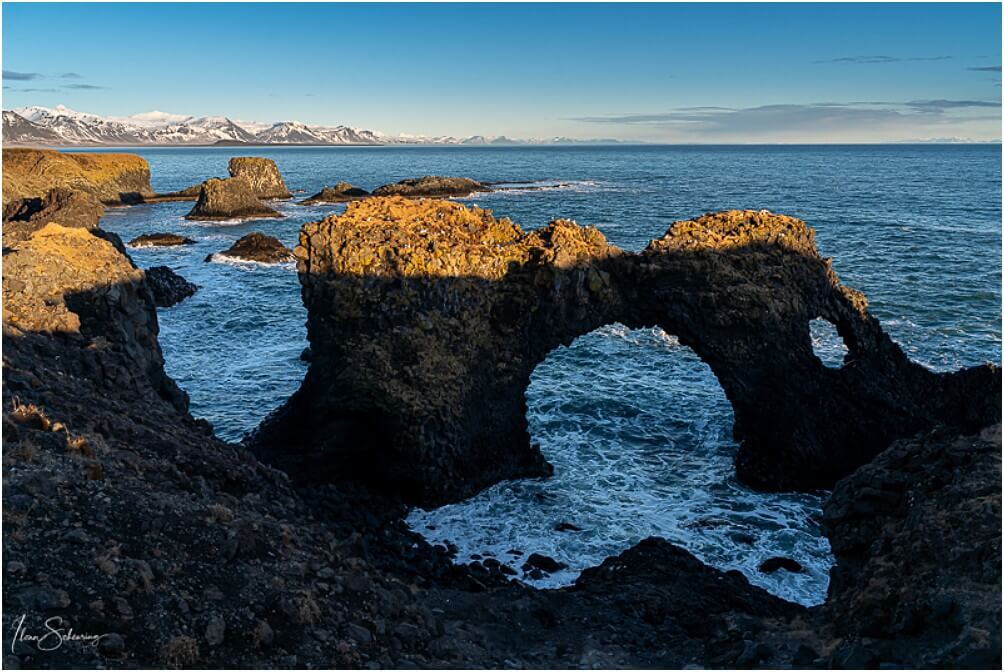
636	426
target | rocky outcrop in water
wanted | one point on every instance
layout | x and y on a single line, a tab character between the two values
113	179
160	240
168	288
67	207
263	176
257	247
427	318
343	192
229	199
431	186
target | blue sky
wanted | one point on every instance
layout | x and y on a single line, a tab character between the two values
675	73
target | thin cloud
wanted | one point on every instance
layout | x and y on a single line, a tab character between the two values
20	76
937	106
83	87
32	90
71	75
872	60
787	120
986	68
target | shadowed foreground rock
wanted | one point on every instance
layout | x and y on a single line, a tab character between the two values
917	538
229	199
167	287
262	175
257	247
342	192
70	281
427	318
124	516
113	179
431	186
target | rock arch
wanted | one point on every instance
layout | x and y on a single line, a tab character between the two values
426	319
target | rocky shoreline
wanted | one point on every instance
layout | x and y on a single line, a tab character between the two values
125	516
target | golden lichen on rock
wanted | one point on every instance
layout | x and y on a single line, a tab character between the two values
112	178
54	262
397	236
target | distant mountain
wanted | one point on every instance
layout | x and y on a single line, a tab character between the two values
18	131
63	127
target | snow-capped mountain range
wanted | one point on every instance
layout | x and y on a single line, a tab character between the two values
63	127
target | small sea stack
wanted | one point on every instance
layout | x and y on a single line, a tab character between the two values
263	176
431	186
257	247
232	198
160	240
343	192
168	288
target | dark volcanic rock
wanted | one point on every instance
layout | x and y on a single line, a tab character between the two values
431	186
229	199
167	287
160	240
263	176
257	247
771	565
124	515
917	538
342	192
427	318
186	194
543	563
63	206
72	281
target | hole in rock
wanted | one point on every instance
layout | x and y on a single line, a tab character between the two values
827	344
639	432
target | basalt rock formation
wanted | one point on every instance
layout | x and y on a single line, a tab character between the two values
257	247
126	518
427	318
160	240
917	538
232	198
167	287
343	192
68	207
431	186
113	179
73	283
263	176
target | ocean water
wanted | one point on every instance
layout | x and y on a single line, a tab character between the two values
636	425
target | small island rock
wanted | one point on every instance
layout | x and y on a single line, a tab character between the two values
232	198
167	287
160	240
340	193
431	186
543	563
263	176
257	247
